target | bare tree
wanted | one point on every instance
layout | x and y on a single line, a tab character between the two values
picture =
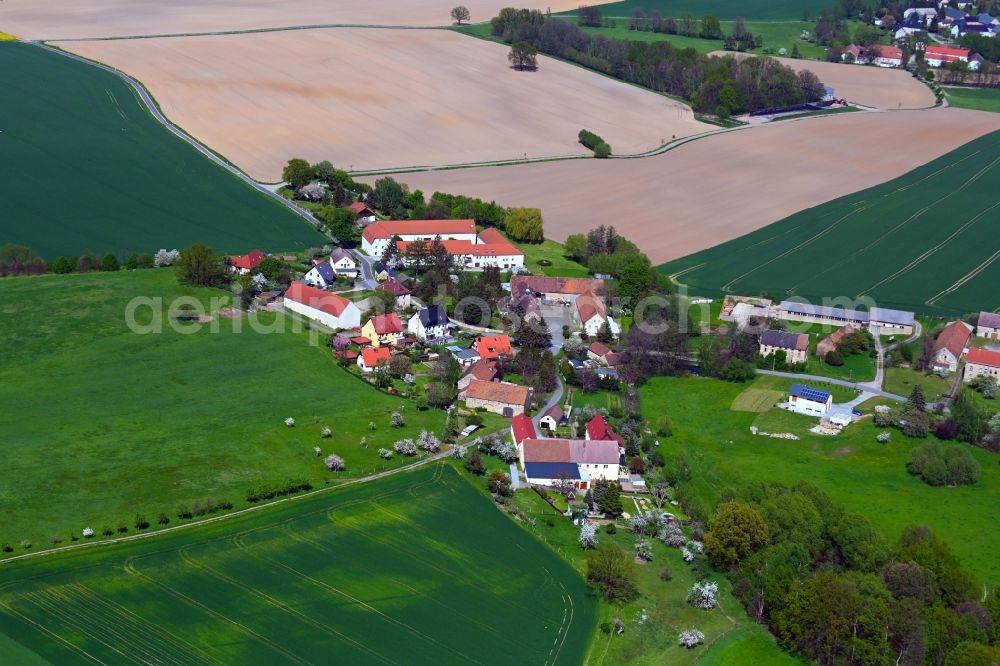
660	493
459	14
523	56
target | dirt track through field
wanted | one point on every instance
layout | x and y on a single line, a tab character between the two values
720	187
876	87
75	19
374	98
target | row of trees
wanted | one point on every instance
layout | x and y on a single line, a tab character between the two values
718	85
22	260
828	586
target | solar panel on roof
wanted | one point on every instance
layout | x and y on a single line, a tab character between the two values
809	393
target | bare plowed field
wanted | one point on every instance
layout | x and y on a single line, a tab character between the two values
877	87
720	187
59	19
368	98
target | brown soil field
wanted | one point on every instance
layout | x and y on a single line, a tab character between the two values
77	19
720	187
876	87
379	98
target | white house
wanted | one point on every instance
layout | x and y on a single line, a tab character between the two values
937	55
375	238
397	289
489	248
329	309
808	400
365	215
343	263
595	459
429	324
593	314
950	345
372	357
320	275
982	363
795	345
988	326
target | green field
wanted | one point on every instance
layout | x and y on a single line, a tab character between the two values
101	423
723	9
858	472
982	99
419	568
85	167
756	400
557	263
924	242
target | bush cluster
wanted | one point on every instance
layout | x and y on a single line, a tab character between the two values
266	492
943	466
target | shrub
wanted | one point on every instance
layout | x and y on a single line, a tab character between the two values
26	544
691	638
334	463
428	442
474	463
664	426
916	424
318	451
946	429
588	536
290	422
883	437
385	454
162	519
665	575
951	466
589	139
397	420
107	530
122	528
499	483
56	539
7	548
644	550
610	528
184	512
602	151
140	522
326	432
405	447
88	533
834	358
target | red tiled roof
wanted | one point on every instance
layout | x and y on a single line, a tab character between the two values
394	286
891	52
387	324
587	452
589	306
945	53
599	349
554	285
248	261
492	346
522	428
359	207
954	337
599	429
317	298
484	370
361	340
390	228
502	392
984	357
372	357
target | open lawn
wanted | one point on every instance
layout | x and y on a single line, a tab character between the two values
983	99
419	568
756	400
548	258
858	472
463	102
53	19
101	423
123	182
661	202
902	380
923	242
723	9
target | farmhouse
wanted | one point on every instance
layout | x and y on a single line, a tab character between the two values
498	397
370	358
937	56
243	264
594	460
429	323
552	418
365	215
821	314
832	342
329	309
492	346
521	428
555	289
343	263
982	363
483	370
397	289
599	429
988	326
950	345
490	248
809	400
384	329
593	315
598	352
375	238
795	345
320	275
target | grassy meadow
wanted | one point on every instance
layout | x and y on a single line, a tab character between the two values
856	471
723	9
101	423
85	167
419	568
921	242
981	99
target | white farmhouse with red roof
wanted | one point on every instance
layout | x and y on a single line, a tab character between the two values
375	238
982	363
939	55
329	309
243	264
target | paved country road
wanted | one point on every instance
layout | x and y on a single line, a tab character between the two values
829	380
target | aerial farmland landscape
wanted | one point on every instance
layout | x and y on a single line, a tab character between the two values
407	332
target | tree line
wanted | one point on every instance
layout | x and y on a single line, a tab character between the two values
826	584
712	84
687	25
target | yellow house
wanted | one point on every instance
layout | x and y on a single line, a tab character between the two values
385	329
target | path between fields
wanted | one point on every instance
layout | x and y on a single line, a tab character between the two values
435	457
